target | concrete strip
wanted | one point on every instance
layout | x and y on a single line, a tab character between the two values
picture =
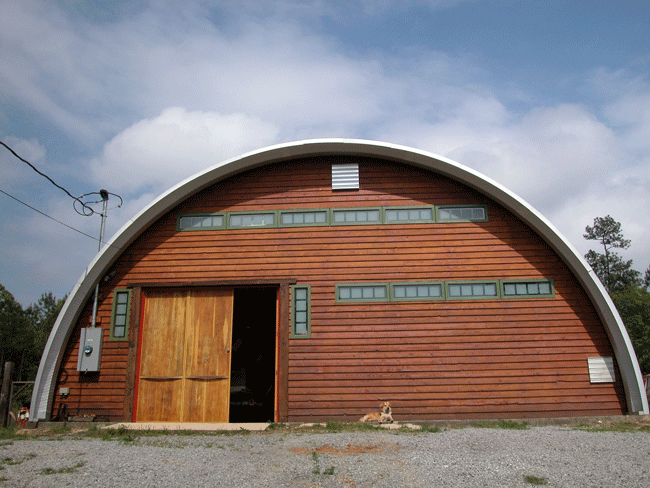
171	426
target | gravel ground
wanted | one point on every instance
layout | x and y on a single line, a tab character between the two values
467	457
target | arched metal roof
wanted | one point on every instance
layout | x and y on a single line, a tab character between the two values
52	356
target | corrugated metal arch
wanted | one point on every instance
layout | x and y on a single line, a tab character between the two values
53	354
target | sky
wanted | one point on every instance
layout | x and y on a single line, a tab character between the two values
550	99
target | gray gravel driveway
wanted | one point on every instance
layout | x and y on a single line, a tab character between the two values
469	457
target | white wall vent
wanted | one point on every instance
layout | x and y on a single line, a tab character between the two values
601	370
345	176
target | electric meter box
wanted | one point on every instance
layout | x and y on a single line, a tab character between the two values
90	349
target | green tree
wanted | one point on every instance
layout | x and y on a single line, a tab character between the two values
40	318
16	337
633	304
613	271
23	333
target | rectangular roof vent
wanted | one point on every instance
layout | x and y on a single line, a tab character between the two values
601	370
345	176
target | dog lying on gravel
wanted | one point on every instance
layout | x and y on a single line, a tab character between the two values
383	416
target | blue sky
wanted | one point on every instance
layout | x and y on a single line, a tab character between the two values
550	99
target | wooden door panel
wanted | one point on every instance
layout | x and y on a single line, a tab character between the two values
160	401
207	400
207	364
164	318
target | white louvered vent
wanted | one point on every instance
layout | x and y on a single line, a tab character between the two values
601	370
345	176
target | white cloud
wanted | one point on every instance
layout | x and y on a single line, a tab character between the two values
164	92
158	153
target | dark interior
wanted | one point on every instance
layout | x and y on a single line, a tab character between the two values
252	383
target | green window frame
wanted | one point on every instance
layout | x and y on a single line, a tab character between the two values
201	221
444	290
357	216
417	291
409	215
538	288
255	220
301	311
362	292
461	213
473	290
120	315
304	218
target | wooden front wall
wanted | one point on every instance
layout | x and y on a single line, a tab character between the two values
432	360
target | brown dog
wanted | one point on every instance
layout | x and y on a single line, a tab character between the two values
383	416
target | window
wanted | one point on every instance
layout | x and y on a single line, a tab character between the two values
417	291
253	219
301	311
443	290
361	293
402	215
202	222
334	216
358	216
315	217
120	316
462	213
472	290
528	289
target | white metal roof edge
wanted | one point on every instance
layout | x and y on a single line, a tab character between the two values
52	356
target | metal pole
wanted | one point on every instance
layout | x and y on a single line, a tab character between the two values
104	195
4	396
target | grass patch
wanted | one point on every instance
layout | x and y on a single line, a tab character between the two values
428	429
316	470
500	424
535	480
48	471
9	433
614	427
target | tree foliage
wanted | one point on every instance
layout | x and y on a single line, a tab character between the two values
626	287
23	333
614	272
633	304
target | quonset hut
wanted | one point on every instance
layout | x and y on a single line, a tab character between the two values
311	280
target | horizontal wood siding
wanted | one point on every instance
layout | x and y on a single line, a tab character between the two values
437	359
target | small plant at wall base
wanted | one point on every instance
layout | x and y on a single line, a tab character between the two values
534	480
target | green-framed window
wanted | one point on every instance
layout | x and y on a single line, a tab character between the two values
401	215
120	315
472	290
462	213
356	216
251	219
528	288
297	218
417	291
301	311
201	222
445	290
362	292
430	214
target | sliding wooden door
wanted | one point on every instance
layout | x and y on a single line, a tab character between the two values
184	372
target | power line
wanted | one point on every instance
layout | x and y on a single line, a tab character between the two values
49	217
85	208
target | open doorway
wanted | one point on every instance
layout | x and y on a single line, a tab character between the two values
252	384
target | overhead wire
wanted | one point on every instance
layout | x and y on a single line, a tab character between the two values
49	216
85	208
